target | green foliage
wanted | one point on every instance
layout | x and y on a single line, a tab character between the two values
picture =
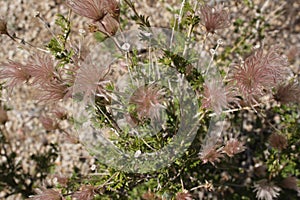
57	44
142	20
100	37
45	161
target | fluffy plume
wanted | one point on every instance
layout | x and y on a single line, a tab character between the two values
109	25
150	196
14	73
293	53
210	153
214	96
259	73
266	190
91	80
92	9
217	97
148	101
290	183
81	51
87	193
61	179
183	196
47	194
60	113
288	93
233	146
104	12
53	92
48	123
214	18
41	68
278	141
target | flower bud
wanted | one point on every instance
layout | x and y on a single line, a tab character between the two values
3	27
109	25
3	116
113	8
48	123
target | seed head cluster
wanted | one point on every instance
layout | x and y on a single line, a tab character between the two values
214	18
105	13
148	101
259	74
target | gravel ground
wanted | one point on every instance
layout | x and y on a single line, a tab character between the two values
24	128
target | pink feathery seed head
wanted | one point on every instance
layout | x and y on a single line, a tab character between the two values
104	12
290	183
113	7
3	115
47	194
260	170
61	179
91	80
277	64
71	138
210	153
92	9
288	93
217	96
148	101
183	196
233	146
14	73
214	96
60	113
214	18
110	22
41	68
266	190
52	92
81	51
48	123
232	96
278	141
87	193
108	25
150	196
258	74
293	53
3	26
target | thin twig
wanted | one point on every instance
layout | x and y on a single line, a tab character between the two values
237	109
191	27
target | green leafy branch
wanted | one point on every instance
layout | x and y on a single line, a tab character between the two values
57	44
